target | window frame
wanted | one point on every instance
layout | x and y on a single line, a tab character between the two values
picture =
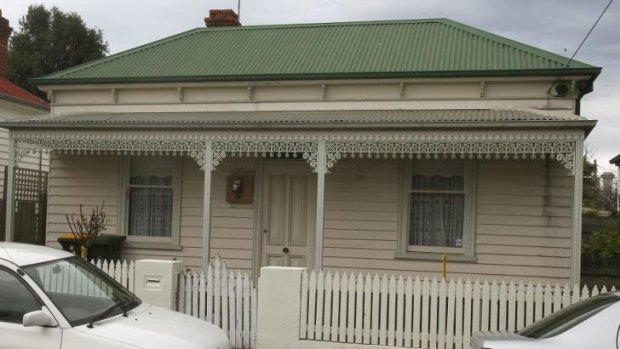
23	282
454	254
151	242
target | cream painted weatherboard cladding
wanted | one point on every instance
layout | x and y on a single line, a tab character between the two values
463	93
522	216
522	221
91	180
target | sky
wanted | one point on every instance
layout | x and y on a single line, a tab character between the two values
558	26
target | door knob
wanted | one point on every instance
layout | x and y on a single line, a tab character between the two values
285	250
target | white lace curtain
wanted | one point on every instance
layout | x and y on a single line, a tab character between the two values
150	197
436	211
150	212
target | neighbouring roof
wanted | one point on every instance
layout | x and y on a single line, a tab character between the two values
16	94
457	118
382	49
615	160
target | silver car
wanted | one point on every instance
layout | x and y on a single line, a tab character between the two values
591	323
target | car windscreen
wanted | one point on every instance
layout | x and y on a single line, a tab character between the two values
80	290
568	317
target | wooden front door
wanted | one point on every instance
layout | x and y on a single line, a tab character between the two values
288	214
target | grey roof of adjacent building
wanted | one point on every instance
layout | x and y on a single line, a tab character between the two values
376	119
615	160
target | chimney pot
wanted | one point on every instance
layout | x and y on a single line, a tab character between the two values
222	18
5	33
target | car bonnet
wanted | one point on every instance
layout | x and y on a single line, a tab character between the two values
152	327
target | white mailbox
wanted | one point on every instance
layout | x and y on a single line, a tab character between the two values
156	281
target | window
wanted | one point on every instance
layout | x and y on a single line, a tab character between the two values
152	198
80	290
15	298
437	216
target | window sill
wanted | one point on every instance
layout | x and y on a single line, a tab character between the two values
152	245
428	256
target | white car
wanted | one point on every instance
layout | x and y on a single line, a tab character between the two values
590	323
53	299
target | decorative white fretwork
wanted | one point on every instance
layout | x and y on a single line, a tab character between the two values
562	151
160	144
560	146
120	144
273	149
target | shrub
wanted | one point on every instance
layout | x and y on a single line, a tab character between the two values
603	247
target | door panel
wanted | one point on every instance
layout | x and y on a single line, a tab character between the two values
297	261
299	211
288	214
277	221
275	260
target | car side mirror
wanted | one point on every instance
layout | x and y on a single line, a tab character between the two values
39	318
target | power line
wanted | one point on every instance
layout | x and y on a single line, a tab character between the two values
580	45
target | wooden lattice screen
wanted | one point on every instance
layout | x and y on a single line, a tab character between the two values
30	197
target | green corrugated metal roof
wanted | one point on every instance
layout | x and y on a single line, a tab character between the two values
386	49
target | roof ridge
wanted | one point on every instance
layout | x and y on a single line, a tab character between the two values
321	24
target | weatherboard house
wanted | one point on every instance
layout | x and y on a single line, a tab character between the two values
15	103
364	146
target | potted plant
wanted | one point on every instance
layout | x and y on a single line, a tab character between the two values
85	228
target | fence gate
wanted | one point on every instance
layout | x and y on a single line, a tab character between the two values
30	206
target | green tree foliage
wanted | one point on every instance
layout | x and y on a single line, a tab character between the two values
591	185
602	249
50	40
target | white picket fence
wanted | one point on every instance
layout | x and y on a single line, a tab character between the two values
417	313
223	297
121	271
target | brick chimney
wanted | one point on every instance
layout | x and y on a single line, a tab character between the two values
5	32
222	18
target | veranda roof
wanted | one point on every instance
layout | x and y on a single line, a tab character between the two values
381	49
342	119
481	134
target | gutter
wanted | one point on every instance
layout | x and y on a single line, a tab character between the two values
24	102
586	125
317	76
